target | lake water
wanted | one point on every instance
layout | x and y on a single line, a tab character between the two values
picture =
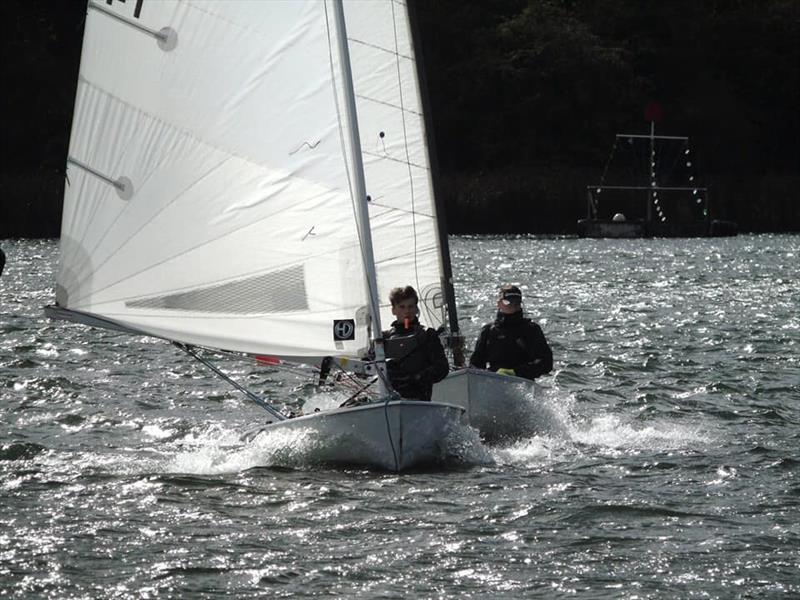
666	466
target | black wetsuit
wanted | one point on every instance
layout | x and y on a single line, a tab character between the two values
415	360
513	342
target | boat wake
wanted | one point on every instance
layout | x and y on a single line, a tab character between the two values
217	451
561	431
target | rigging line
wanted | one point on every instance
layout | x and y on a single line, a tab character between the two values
349	375
381	48
292	366
637	168
256	399
608	162
393	395
389	104
361	389
408	163
405	144
403	210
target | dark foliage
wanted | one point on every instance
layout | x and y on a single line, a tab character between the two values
41	53
526	97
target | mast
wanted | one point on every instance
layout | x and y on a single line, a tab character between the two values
455	339
365	233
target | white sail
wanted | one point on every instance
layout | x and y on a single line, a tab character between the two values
217	196
395	155
209	197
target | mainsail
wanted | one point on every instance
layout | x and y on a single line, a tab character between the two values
211	197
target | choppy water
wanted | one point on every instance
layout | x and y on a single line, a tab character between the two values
667	464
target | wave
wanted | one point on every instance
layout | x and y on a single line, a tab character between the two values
563	431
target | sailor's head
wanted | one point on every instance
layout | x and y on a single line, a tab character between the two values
404	302
510	299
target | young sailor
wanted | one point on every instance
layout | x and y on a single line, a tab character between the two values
415	359
513	344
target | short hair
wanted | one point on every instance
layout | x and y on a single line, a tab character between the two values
399	294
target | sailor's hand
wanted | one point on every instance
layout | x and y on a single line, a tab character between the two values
506	371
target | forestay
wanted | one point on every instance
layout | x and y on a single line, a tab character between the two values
210	198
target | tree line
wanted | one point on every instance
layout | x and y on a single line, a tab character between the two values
525	98
527	95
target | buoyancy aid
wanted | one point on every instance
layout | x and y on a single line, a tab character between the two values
514	342
404	347
415	360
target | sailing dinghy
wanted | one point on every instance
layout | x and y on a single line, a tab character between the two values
407	215
499	406
222	158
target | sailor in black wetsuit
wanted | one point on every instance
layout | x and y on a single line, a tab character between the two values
415	359
513	344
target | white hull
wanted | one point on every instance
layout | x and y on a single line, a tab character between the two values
393	436
500	407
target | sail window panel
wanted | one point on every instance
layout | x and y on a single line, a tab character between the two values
140	269
275	292
234	315
321	284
